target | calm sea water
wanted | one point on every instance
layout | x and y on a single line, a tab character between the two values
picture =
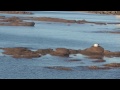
54	35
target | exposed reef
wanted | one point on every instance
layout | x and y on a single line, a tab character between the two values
92	52
16	12
14	21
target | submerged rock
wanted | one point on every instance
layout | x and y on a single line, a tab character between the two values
60	68
97	68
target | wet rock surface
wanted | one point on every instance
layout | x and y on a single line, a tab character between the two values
20	52
14	21
61	52
92	52
112	65
99	60
44	51
60	68
97	68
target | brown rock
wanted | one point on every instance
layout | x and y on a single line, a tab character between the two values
93	50
44	51
99	60
96	67
20	52
71	51
2	17
92	56
61	52
12	19
112	65
111	54
60	68
16	12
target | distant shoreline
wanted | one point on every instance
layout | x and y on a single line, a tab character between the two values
96	12
104	12
16	12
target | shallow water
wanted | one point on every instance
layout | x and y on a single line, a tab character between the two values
54	35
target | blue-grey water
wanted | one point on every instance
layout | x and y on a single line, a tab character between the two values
54	35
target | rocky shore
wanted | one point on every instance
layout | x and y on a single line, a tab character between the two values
16	12
105	12
96	12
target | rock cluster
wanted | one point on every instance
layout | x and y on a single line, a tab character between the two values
92	52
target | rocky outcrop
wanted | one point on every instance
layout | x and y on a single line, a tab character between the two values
94	52
99	52
112	65
16	12
44	51
111	54
105	12
60	68
50	19
15	21
72	51
96	67
61	52
20	52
